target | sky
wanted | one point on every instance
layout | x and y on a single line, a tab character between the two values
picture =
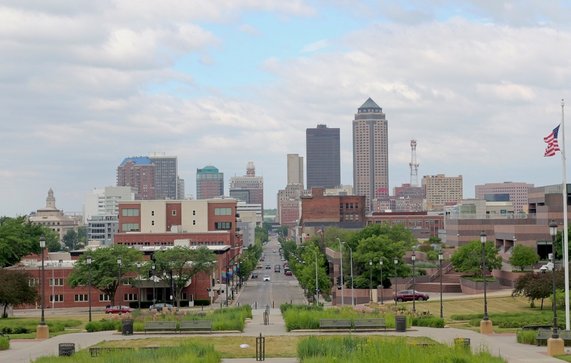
84	84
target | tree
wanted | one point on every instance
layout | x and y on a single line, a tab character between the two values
106	274
73	239
19	237
15	289
310	260
523	256
468	258
180	264
537	286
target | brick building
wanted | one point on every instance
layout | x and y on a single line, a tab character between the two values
421	224
343	211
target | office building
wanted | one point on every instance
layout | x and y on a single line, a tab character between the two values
323	157
138	173
517	193
294	169
166	174
441	190
209	183
248	188
370	154
53	218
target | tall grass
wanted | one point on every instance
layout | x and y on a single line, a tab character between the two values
299	317
191	352
510	320
526	336
378	349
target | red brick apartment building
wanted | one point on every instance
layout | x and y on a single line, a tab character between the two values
149	226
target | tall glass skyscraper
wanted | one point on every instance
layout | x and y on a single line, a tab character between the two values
323	157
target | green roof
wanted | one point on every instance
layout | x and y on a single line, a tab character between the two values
209	169
369	103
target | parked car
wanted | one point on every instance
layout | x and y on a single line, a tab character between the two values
266	277
288	273
160	307
409	295
117	309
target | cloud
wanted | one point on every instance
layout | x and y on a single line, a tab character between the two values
315	46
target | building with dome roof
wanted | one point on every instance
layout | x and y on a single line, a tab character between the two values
209	183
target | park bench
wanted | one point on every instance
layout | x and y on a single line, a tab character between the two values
542	336
369	324
160	326
335	324
195	325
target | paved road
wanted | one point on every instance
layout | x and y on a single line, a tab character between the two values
280	289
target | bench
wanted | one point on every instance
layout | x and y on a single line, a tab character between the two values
335	324
542	336
373	324
160	326
195	325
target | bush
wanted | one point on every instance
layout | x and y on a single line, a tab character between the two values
4	343
201	302
429	321
526	336
103	325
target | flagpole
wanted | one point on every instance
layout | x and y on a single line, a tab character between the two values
565	232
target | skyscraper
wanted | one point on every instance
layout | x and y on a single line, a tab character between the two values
166	173
139	173
209	183
370	154
442	190
323	157
248	188
294	169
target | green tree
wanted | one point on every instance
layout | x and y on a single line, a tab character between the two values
106	274
468	258
15	289
537	286
523	256
182	264
73	239
311	260
18	238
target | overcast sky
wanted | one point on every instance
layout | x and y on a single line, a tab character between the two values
84	84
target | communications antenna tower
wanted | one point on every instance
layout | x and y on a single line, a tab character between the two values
413	164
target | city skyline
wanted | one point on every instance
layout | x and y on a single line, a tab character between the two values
477	84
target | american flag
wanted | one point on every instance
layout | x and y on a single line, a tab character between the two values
551	141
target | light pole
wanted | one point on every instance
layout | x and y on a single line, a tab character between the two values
42	330
413	281
396	261
153	267
440	258
370	281
341	265
351	263
139	283
382	286
316	281
555	345
88	260
119	263
485	323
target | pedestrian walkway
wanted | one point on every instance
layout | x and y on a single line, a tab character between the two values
504	345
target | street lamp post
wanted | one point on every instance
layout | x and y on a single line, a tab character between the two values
153	267
88	260
316	281
413	281
440	258
119	263
42	330
555	345
341	266
370	281
351	263
485	323
382	286
396	261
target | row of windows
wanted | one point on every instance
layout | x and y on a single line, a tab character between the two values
222	211
222	226
130	227
56	282
130	212
84	297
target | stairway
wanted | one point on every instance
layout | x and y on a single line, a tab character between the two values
450	283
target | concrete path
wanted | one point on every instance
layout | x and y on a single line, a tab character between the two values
504	345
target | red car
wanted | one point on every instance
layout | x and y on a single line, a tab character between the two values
117	309
288	273
409	295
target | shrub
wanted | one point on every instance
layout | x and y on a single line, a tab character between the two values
429	321
103	325
201	302
526	336
4	343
